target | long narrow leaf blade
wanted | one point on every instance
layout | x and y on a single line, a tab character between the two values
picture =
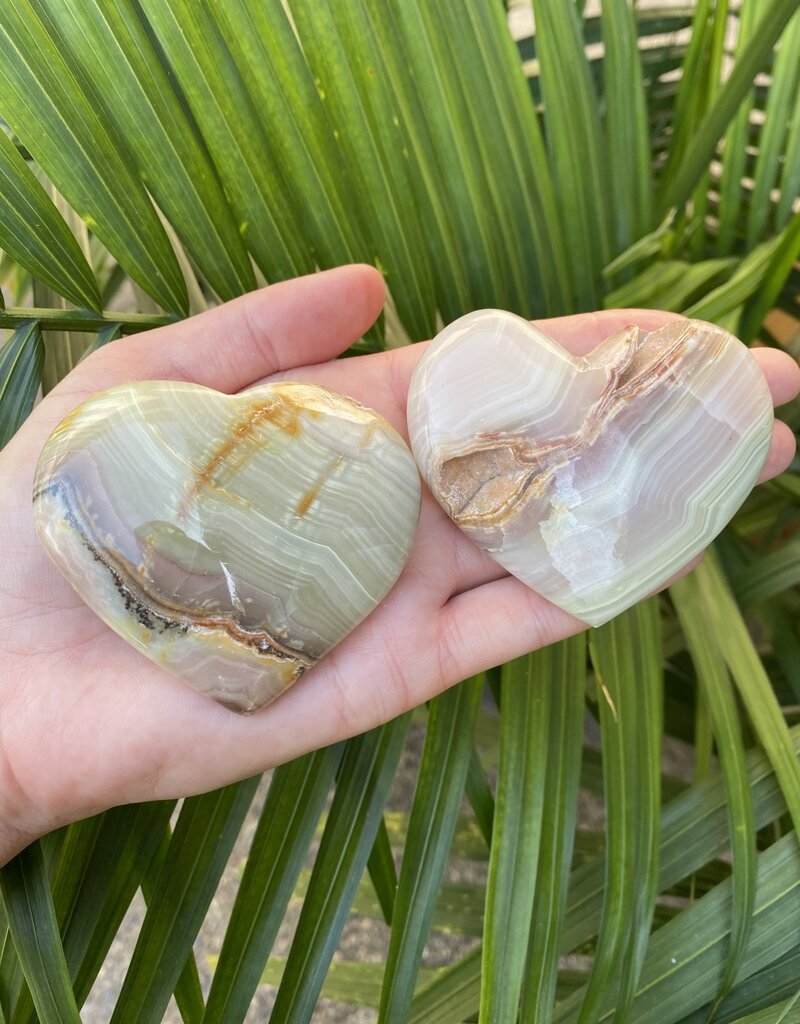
721	615
577	156
627	141
773	21
34	234
233	132
445	759
721	703
45	103
366	773
21	365
28	905
627	658
187	993
685	961
528	688
564	749
782	103
694	828
286	826
108	43
204	835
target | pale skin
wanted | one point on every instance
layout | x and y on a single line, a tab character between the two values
87	723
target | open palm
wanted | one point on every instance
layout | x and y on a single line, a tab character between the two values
88	723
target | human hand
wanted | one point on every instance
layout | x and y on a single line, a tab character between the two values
87	723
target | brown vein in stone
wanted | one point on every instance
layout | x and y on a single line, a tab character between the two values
490	483
280	411
312	493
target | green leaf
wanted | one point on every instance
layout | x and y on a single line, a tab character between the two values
782	102
722	617
743	283
204	835
451	997
459	906
577	156
34	234
783	257
557	827
469	842
98	878
440	783
121	71
505	136
694	828
214	89
21	364
720	701
28	905
770	574
81	320
187	993
685	961
627	658
669	284
365	775
49	108
337	45
457	122
528	686
382	871
776	981
789	183
479	793
107	334
734	150
452	994
627	141
786	1012
654	243
691	102
774	18
286	826
304	153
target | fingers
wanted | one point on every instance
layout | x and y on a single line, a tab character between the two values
496	623
782	373
582	332
780	454
307	320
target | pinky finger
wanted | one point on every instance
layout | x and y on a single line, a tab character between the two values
781	452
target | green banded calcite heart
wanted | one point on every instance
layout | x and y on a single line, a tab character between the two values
235	540
595	479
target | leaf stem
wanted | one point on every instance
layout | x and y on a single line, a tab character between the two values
82	319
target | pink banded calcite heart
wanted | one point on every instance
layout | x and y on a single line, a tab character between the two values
593	480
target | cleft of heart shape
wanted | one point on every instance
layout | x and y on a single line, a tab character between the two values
593	480
233	539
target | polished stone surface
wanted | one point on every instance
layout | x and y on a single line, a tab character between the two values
595	479
233	539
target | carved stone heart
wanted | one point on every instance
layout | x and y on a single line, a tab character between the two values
592	480
232	539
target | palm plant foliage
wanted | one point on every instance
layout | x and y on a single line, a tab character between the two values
193	148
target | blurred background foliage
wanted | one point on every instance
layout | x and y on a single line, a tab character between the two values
162	155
